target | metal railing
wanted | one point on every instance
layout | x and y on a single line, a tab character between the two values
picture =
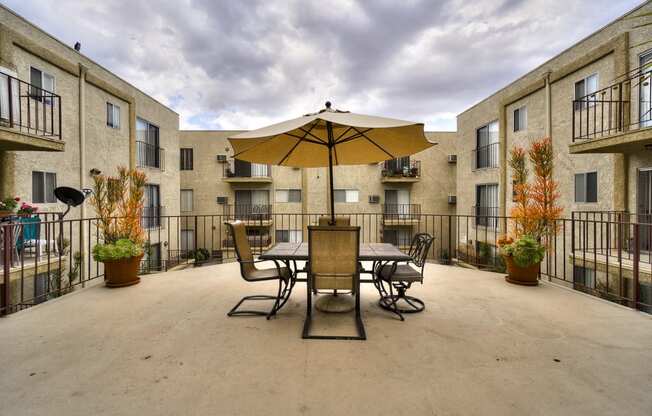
401	212
607	258
151	217
486	216
622	106
241	169
399	168
150	156
28	108
254	212
484	157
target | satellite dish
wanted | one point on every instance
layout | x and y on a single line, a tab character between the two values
69	196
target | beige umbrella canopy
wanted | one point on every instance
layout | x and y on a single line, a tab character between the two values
330	137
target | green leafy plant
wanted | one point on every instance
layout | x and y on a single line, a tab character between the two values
525	251
200	255
9	204
121	249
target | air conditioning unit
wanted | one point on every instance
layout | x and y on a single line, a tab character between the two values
452	158
452	199
221	158
374	199
222	200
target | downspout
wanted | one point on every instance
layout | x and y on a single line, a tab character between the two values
82	160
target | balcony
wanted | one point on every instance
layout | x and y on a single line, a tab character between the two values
30	117
401	170
152	348
252	215
401	214
485	157
615	119
150	156
238	171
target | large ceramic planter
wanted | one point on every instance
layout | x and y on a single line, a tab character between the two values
122	273
526	276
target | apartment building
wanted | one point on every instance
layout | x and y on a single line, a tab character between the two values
64	117
593	100
276	202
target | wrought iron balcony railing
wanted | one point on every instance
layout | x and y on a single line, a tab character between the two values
484	157
253	212
240	169
401	212
149	155
151	217
620	107
486	216
28	108
401	168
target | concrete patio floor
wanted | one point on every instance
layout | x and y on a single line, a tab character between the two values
166	347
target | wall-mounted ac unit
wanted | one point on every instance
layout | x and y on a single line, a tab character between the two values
222	200
221	158
452	158
374	199
452	199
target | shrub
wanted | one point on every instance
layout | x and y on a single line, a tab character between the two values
525	251
121	249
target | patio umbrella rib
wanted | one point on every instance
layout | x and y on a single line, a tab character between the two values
343	133
252	146
352	137
301	139
374	143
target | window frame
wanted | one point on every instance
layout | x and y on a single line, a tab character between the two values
346	190
520	120
114	109
585	189
492	157
583	104
192	200
185	151
288	192
47	198
39	96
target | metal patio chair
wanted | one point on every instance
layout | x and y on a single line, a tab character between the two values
251	273
395	278
333	265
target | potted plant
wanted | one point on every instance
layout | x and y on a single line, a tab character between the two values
8	206
119	204
26	210
534	215
200	255
444	258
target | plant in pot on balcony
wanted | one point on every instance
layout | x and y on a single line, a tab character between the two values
534	215
118	201
8	206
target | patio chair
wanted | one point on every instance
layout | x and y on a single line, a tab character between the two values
333	265
395	278
251	273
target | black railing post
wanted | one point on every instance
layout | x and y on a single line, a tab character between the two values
637	256
11	102
6	261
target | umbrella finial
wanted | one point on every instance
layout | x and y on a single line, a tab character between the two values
328	104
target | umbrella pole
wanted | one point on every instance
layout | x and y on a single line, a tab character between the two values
329	129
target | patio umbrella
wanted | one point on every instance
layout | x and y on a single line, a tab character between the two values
328	138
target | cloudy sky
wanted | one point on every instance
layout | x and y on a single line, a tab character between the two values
243	64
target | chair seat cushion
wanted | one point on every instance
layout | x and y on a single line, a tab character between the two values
269	274
403	273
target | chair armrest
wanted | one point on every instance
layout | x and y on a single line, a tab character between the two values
278	267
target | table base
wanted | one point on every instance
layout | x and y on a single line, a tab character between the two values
335	303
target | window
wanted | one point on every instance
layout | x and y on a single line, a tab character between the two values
586	187
187	240
486	152
147	140
346	195
152	209
486	205
585	89
520	119
42	83
584	276
186	159
186	200
112	116
288	195
43	184
289	236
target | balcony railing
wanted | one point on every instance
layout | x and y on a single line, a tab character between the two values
256	241
241	169
152	217
58	260
29	109
486	216
484	157
254	212
150	156
401	212
401	168
623	106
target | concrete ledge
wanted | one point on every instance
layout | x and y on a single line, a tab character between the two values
13	139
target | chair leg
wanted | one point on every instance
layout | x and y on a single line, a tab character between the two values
388	300
279	300
308	322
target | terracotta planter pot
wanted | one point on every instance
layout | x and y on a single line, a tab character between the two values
526	276
122	273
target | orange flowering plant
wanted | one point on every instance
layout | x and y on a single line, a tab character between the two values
118	201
